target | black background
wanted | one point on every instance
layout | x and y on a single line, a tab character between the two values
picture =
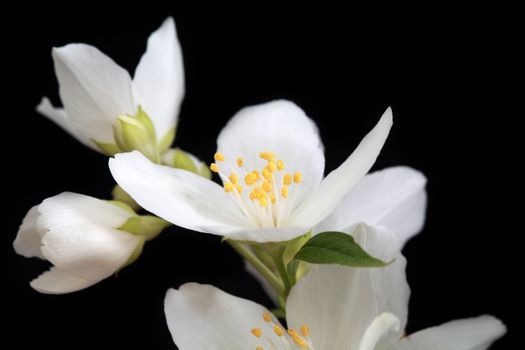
443	74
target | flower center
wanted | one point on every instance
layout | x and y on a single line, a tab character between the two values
262	194
277	338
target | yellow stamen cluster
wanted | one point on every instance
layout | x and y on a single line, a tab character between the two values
300	340
266	185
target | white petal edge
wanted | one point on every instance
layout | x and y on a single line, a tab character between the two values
178	196
204	317
381	327
393	197
27	241
93	89
338	303
57	281
467	334
327	196
81	236
159	77
59	117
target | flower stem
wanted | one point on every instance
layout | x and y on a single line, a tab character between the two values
278	260
259	266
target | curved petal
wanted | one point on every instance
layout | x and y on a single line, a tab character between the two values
178	196
338	303
57	281
159	78
59	117
467	334
325	198
82	238
27	241
394	197
204	317
280	127
93	89
384	327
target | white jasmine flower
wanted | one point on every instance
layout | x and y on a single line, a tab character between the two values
95	90
332	307
271	162
79	235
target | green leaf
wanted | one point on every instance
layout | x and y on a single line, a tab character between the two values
336	248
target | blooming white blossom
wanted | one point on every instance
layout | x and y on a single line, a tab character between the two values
79	235
95	90
332	307
271	162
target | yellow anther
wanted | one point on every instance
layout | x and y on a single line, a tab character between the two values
305	330
238	188
280	165
214	167
287	179
267	174
267	155
257	193
267	317
299	341
219	157
228	187
278	330
249	179
284	191
234	178
267	187
272	166
240	162
259	348
263	202
256	175
273	198
292	332
297	177
257	332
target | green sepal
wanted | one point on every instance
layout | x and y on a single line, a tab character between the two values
183	161
336	248
146	226
109	149
167	140
122	196
123	205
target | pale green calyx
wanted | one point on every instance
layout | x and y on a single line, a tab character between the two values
136	133
123	197
177	158
146	226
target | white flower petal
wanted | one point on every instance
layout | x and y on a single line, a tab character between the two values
204	317
159	77
57	281
280	127
382	327
178	196
93	89
394	197
325	198
467	334
338	303
81	236
59	117
27	241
